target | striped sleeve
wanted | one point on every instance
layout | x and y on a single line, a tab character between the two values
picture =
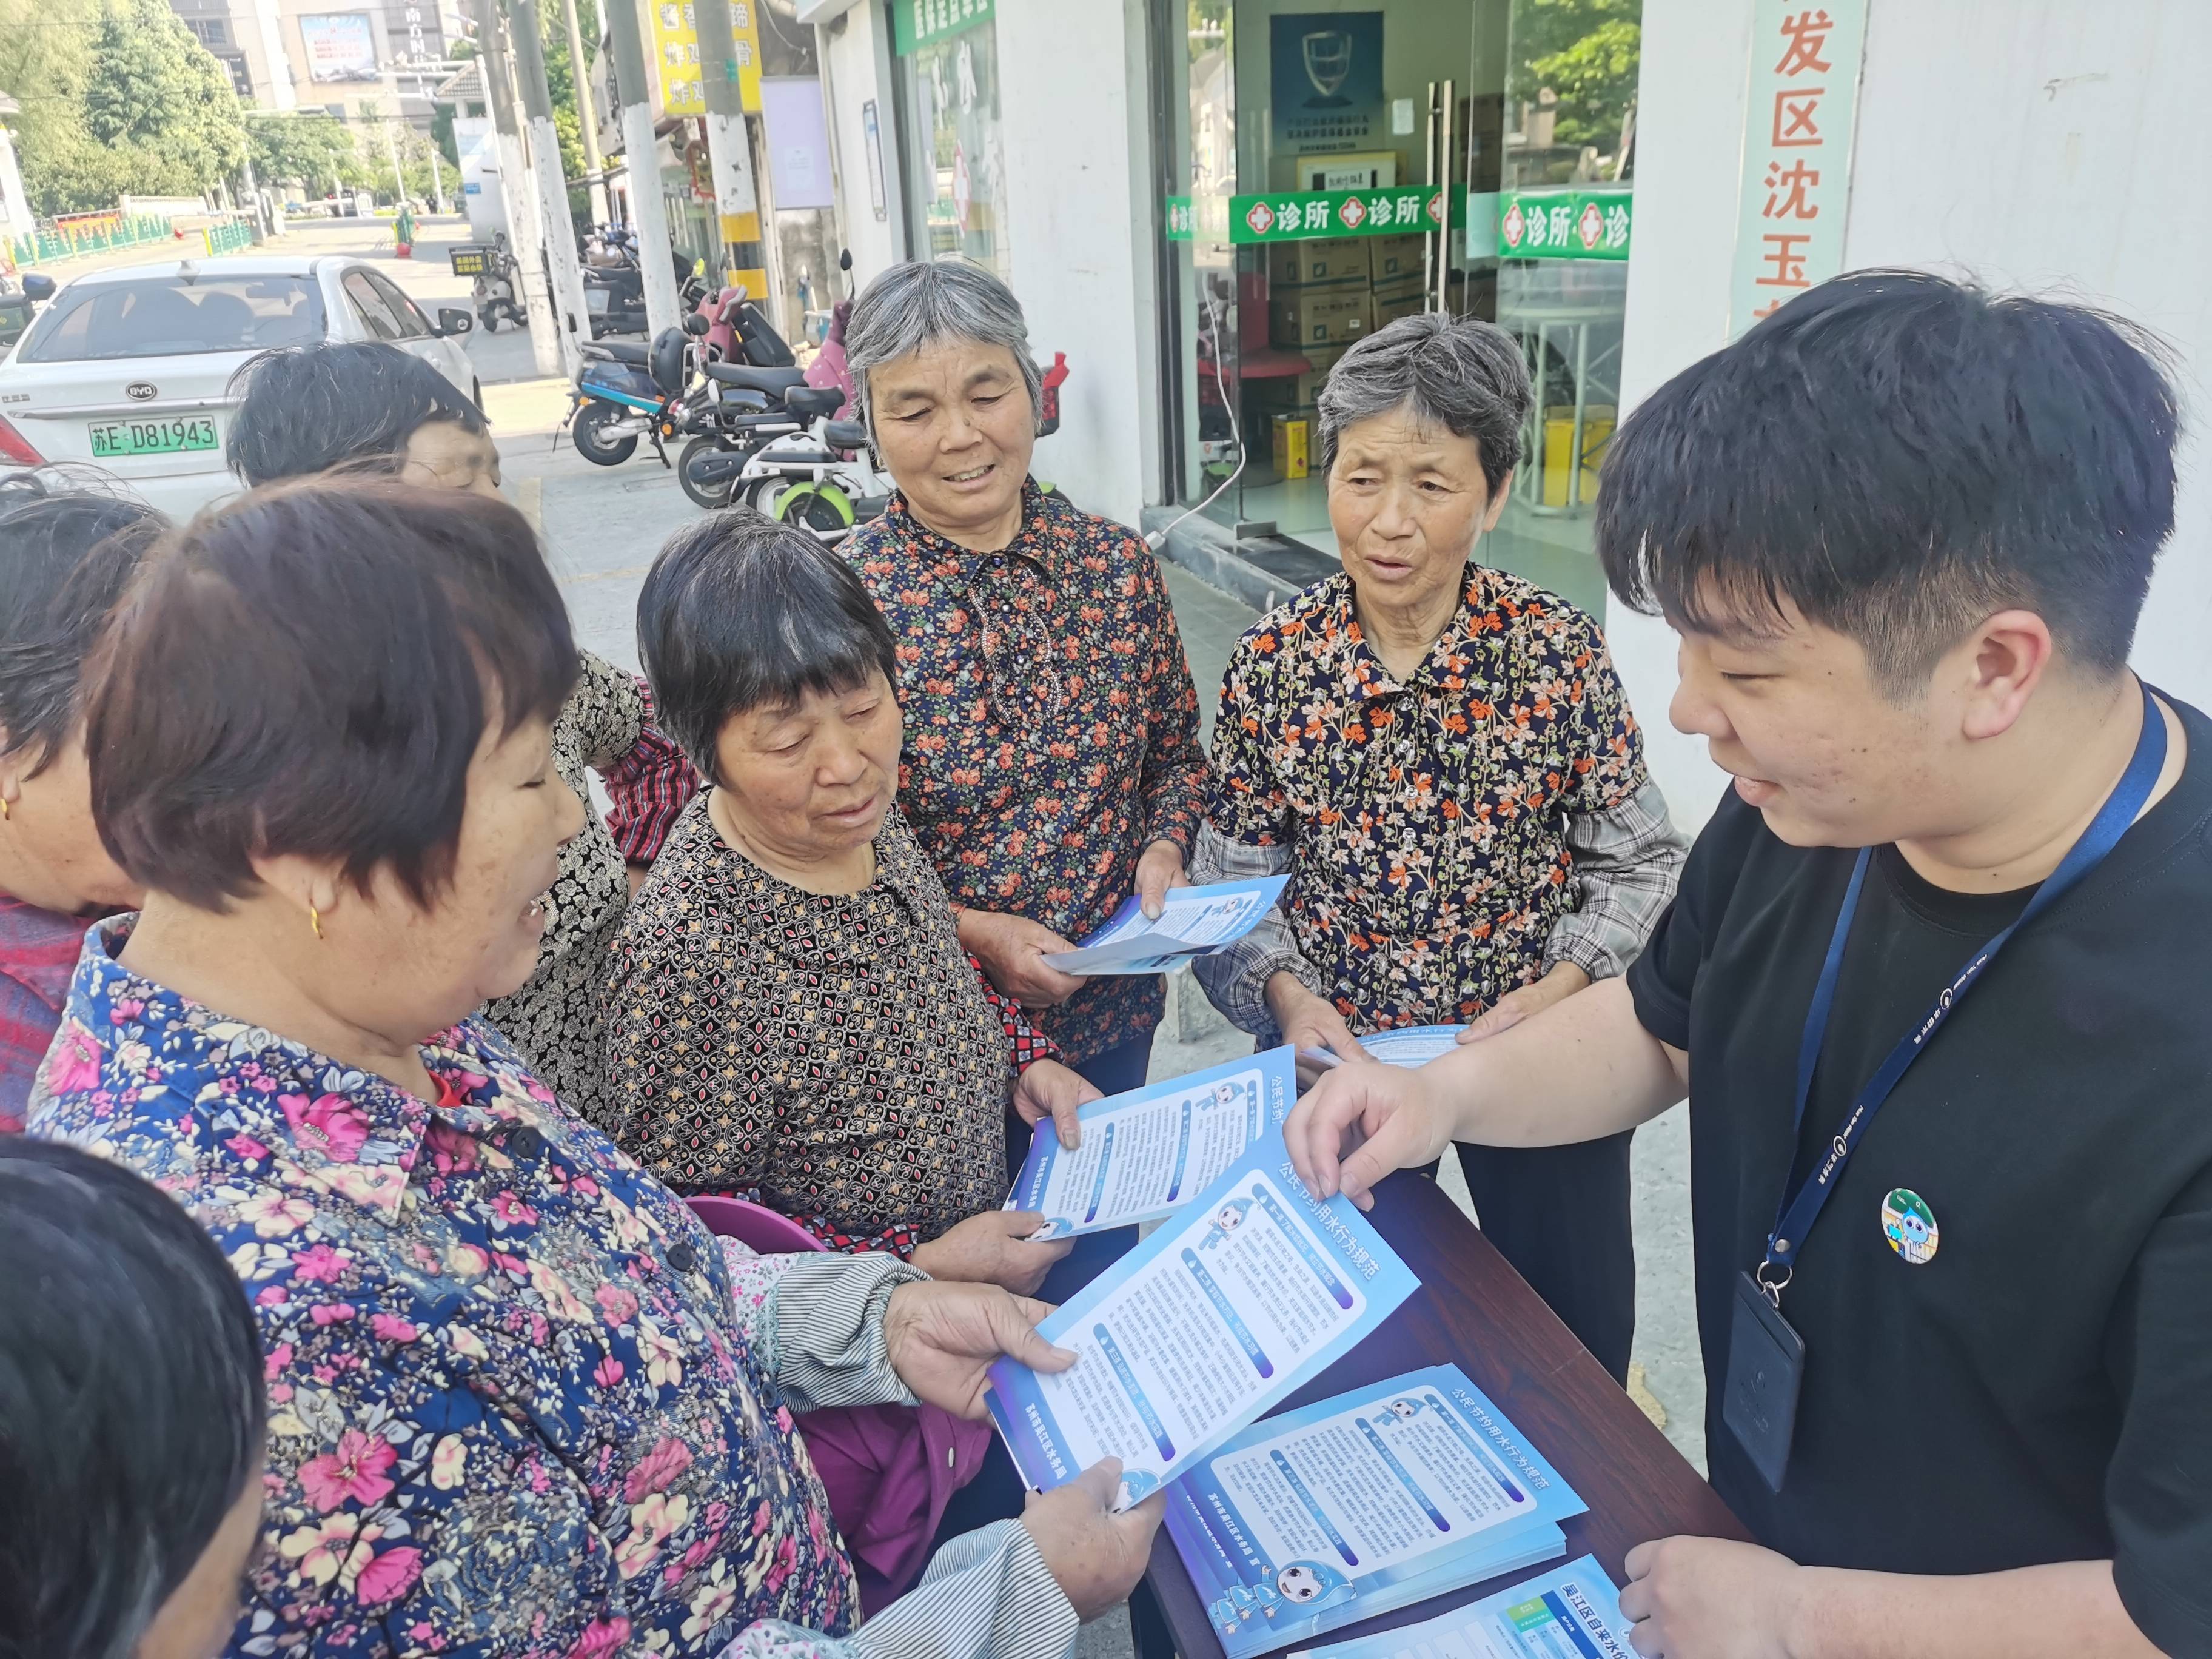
987	1595
816	1323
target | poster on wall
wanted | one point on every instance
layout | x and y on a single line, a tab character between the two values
1325	82
341	46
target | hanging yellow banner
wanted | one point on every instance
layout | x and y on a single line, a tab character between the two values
676	55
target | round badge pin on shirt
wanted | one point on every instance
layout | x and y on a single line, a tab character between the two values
1910	1225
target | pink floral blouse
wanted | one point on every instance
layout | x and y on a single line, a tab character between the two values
521	1403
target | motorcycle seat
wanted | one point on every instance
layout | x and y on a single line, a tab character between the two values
620	354
813	403
846	434
774	381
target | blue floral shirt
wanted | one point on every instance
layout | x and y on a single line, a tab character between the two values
521	1403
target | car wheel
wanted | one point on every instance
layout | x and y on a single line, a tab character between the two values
586	431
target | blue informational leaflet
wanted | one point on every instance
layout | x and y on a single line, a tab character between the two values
1145	1152
1193	921
1569	1613
1370	1501
1248	1292
1409	1046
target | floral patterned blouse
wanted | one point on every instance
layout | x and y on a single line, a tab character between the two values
1052	728
1449	837
835	1056
521	1404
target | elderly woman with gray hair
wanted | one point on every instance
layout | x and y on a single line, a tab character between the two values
1052	765
1441	757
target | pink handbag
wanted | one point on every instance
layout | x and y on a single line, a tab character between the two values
889	1470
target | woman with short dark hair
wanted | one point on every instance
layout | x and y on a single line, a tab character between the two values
132	1417
307	409
66	554
524	1403
792	1017
1443	759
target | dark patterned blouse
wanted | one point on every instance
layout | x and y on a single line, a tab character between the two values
1443	832
1052	729
837	1057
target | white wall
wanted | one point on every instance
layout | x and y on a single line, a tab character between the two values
1073	111
2040	145
855	54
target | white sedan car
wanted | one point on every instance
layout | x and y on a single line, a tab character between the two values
129	370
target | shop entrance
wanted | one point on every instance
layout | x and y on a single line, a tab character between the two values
1333	164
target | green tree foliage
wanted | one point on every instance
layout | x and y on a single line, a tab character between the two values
155	89
118	99
311	150
1587	52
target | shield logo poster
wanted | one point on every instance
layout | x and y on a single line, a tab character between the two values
1325	88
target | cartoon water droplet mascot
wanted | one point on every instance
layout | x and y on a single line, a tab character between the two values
1308	1586
1226	1220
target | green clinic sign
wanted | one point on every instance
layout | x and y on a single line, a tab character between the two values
1301	215
917	23
1565	224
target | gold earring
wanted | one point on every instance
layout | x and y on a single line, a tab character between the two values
3	809
315	920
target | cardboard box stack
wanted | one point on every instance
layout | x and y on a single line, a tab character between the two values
1323	296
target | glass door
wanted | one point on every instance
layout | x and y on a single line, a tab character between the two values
1330	166
1563	218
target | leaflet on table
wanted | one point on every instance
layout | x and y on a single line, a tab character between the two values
1193	921
1370	1501
1247	1291
1569	1613
1408	1046
1146	1152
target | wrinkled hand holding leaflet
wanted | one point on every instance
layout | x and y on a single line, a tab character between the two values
1360	1505
1193	921
1143	1152
1569	1613
1250	1290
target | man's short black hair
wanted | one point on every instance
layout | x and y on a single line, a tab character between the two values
739	612
307	409
1900	456
132	1407
67	551
309	670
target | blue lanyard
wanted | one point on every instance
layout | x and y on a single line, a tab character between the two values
1799	1210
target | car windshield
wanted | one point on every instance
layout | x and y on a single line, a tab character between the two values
167	316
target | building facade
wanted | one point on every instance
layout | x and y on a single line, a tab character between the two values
1203	202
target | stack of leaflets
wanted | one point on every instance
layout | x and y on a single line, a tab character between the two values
1250	1288
1146	1152
1193	921
1366	1503
1569	1613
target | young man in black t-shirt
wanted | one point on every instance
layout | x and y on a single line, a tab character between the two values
1903	532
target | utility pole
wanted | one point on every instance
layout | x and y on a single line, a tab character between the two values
568	306
729	156
588	120
391	148
518	192
648	212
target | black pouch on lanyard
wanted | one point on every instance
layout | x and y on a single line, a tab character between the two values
1765	1369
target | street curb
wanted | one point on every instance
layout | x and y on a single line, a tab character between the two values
1262	571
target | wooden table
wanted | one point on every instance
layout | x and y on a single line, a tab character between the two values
1474	1311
